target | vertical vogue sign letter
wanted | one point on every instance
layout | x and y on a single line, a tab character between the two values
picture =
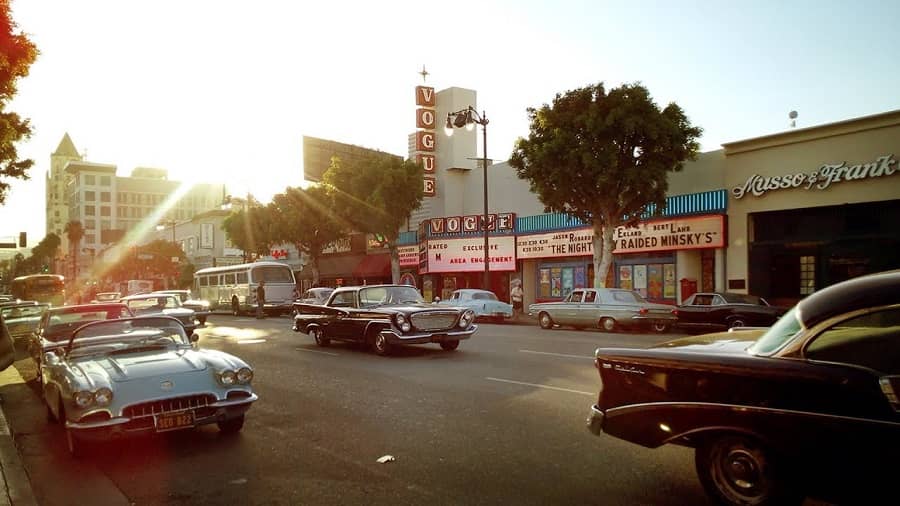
426	121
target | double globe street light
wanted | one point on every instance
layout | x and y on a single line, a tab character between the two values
467	118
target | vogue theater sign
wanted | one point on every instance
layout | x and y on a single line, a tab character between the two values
821	179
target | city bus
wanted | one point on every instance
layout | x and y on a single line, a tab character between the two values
233	287
49	288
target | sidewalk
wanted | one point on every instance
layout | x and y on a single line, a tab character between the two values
16	485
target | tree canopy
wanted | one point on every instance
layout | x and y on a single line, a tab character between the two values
250	229
306	219
17	53
604	158
376	195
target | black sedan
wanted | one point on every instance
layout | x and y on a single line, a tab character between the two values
382	316
809	405
713	311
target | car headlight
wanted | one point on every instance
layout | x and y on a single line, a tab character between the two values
400	319
466	319
244	375
103	396
405	327
83	398
227	377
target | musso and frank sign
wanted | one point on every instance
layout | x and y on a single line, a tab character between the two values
821	179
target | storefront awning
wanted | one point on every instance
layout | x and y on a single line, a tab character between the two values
373	266
332	267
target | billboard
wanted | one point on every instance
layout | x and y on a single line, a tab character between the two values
317	155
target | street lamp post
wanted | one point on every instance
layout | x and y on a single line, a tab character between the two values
468	118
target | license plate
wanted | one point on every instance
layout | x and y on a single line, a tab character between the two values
173	422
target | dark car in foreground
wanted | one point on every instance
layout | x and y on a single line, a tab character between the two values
712	311
809	405
318	295
381	316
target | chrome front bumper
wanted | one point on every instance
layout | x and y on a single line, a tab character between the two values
394	337
595	421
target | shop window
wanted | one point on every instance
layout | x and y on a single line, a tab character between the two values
807	274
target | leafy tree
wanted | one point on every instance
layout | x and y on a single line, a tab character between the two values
74	232
306	219
249	229
376	195
604	158
149	261
17	53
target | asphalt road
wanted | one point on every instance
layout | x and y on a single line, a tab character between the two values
498	421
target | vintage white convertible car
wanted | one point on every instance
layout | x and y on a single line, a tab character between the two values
141	375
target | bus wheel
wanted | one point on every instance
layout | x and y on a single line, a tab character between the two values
235	307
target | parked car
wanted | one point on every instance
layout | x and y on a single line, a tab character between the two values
107	297
809	404
151	304
200	307
141	375
484	303
710	311
57	324
22	319
382	316
318	296
609	309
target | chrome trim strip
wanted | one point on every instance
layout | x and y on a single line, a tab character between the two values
736	407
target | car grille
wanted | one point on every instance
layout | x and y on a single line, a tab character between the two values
168	405
433	320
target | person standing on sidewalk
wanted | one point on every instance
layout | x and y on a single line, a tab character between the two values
260	300
516	295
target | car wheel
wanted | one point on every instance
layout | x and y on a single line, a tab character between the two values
450	345
736	323
381	345
736	469
660	328
232	425
545	321
608	325
235	307
319	335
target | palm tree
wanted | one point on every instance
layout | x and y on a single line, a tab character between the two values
74	232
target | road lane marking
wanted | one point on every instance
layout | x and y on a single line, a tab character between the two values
591	394
251	341
317	351
555	354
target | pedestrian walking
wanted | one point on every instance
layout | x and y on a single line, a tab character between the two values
516	295
260	300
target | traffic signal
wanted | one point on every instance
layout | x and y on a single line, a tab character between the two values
23	242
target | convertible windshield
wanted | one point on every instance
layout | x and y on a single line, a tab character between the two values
114	335
784	329
380	295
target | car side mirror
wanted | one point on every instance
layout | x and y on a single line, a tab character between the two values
51	358
195	337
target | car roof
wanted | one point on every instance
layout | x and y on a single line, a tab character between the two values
871	290
151	295
360	287
87	308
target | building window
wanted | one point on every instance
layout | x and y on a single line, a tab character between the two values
89	238
105	225
807	275
90	224
105	197
89	211
104	180
89	196
90	179
104	211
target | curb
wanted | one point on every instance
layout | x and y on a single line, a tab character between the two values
16	485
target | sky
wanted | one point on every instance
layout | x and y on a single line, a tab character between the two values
224	91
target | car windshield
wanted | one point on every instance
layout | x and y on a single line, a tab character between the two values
156	303
386	295
62	321
131	334
779	334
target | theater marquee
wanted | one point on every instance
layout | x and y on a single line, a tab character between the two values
467	255
684	233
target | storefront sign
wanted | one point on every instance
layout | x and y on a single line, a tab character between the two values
556	244
685	233
472	223
821	179
426	121
339	246
409	255
467	255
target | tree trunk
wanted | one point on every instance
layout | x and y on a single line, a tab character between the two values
395	262
603	246
314	267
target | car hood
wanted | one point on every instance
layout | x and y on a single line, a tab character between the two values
134	366
418	307
718	342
